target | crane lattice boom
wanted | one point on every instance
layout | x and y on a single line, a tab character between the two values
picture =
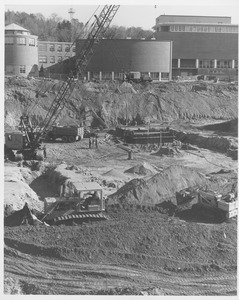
97	31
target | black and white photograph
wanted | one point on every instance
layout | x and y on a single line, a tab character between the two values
120	132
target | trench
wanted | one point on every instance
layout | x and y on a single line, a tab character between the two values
216	143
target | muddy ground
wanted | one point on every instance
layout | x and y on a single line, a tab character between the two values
137	251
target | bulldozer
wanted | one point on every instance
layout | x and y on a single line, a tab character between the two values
86	203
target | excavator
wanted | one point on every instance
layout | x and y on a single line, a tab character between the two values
27	142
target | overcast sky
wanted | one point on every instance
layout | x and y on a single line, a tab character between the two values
139	13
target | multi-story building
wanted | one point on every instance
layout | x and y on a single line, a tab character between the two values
51	53
204	45
21	51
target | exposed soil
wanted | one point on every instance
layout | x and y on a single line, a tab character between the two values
138	251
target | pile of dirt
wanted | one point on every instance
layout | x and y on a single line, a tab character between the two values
17	191
23	216
115	174
168	151
143	169
155	190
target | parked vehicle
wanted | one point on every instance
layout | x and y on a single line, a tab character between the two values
65	133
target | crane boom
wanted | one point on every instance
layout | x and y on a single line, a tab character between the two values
97	31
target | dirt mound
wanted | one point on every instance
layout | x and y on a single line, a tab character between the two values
115	174
20	217
17	190
155	190
143	169
168	151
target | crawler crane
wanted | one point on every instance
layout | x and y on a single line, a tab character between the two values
27	143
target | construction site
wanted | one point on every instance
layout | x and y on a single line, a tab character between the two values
120	187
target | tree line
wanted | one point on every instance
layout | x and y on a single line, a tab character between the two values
56	29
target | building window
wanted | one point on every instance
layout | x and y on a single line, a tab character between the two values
31	42
52	59
52	47
42	47
9	41
224	64
74	49
203	64
59	48
106	75
165	28
67	48
22	69
154	75
164	76
43	59
21	41
59	58
181	28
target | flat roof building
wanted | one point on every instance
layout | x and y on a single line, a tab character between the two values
206	45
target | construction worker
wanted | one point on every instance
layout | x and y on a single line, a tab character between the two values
90	142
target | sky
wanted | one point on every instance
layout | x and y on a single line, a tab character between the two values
135	13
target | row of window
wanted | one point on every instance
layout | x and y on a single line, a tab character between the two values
199	28
17	32
58	47
19	41
43	59
118	75
22	69
221	64
206	63
42	47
